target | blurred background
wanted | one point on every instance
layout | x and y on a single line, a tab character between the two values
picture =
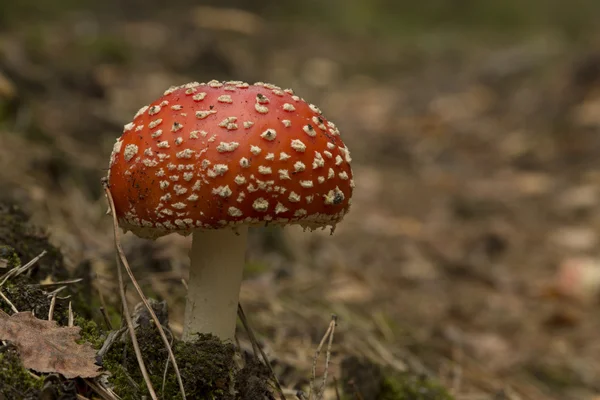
470	253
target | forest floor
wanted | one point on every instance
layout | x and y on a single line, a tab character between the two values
470	253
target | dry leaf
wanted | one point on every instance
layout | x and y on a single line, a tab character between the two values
46	347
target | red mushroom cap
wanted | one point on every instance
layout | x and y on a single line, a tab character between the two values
207	156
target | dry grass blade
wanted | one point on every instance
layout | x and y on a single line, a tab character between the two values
100	390
317	354
332	324
71	317
254	342
6	299
131	329
337	389
21	269
52	306
121	255
67	282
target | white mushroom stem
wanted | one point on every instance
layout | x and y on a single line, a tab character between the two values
216	269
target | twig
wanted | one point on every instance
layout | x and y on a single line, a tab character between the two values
52	305
21	269
121	255
131	329
164	382
67	282
56	291
184	283
12	306
317	354
332	324
254	342
357	394
337	389
101	390
71	317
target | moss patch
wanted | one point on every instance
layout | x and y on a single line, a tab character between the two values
15	381
27	297
206	364
370	381
411	387
28	242
8	259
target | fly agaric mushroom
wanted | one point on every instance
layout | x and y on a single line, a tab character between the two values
212	159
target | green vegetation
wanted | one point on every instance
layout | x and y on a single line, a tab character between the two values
411	387
16	381
207	368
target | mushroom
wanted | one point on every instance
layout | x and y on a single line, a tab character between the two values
213	159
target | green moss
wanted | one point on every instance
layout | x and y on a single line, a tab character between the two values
90	332
371	381
27	297
9	259
28	242
410	387
15	381
206	364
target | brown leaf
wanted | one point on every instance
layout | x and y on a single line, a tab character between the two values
46	347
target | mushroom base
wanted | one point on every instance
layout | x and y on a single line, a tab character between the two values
216	270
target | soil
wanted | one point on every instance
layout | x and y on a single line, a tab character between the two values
469	259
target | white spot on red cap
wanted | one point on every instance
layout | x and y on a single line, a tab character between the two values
264	170
130	151
176	127
260	204
255	150
298	145
234	212
224	147
318	161
199	96
155	123
280	208
223	191
269	134
201	114
140	112
187	153
294	197
309	130
284	174
261	109
154	110
229	123
299	166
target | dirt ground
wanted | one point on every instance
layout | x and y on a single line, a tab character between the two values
470	252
